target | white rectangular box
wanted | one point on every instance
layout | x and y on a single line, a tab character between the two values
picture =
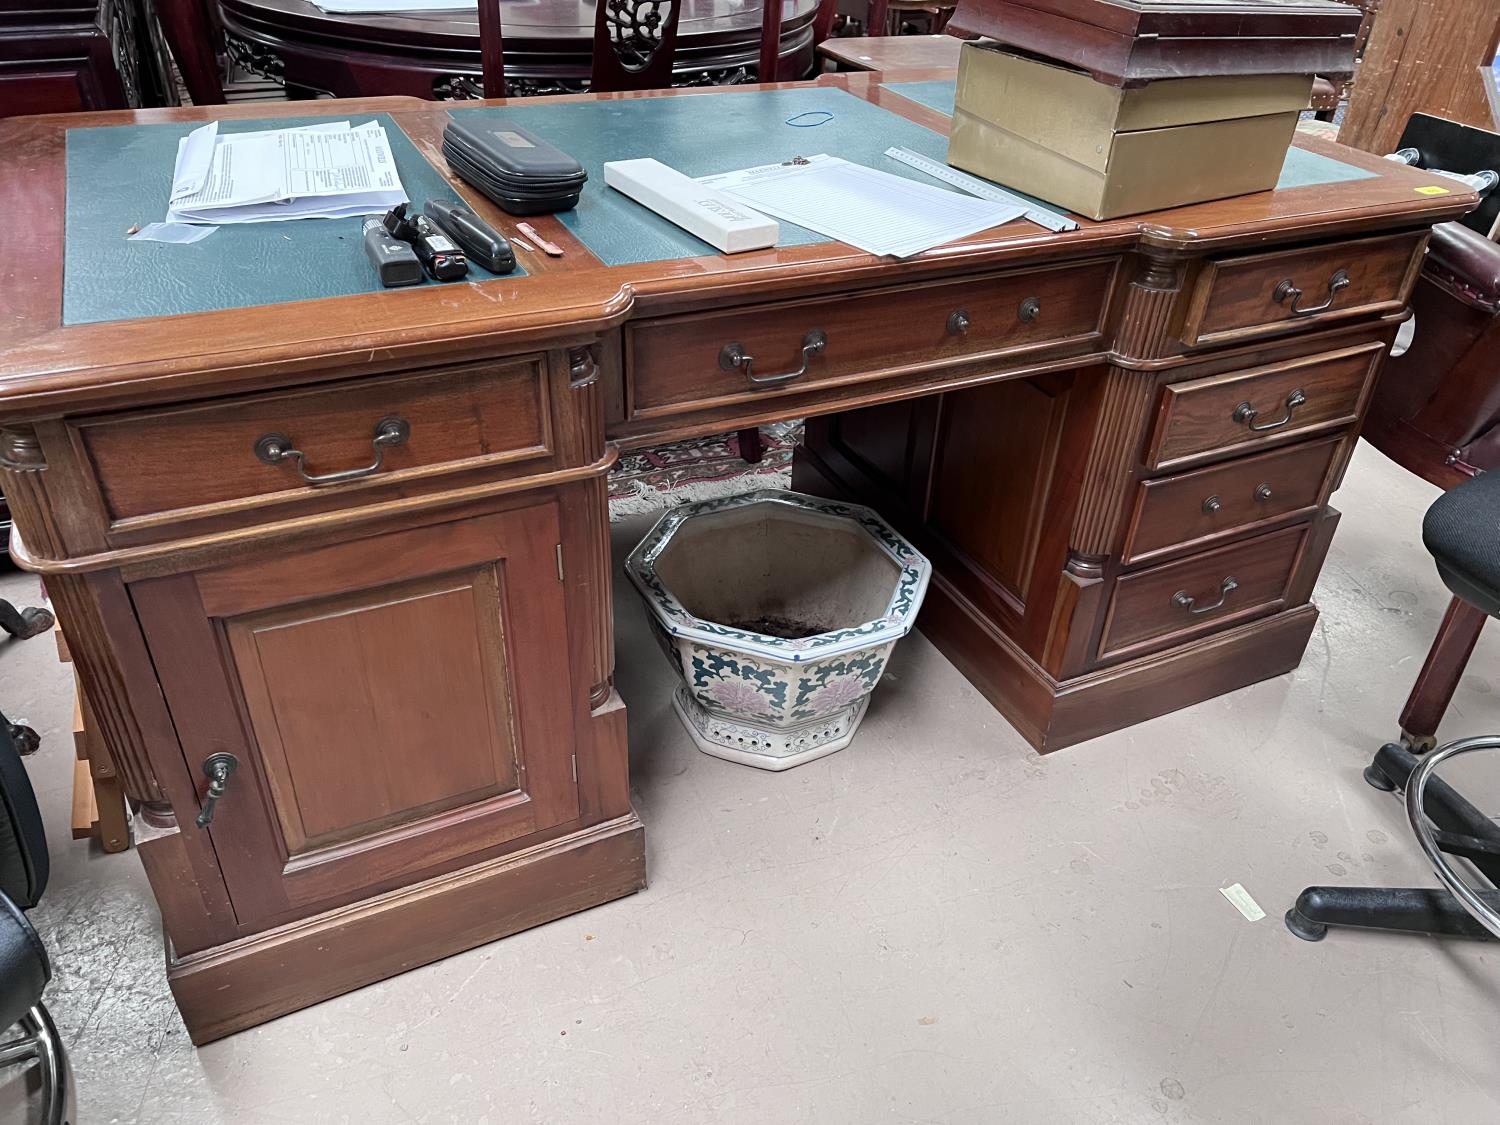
720	221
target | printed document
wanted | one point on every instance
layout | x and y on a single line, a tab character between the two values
871	210
325	171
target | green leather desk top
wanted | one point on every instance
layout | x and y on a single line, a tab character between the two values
121	176
701	135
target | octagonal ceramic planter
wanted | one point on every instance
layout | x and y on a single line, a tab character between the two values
778	611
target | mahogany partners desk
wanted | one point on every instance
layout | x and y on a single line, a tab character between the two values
1117	445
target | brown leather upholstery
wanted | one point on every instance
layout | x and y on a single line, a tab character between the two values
1469	260
1325	95
1436	410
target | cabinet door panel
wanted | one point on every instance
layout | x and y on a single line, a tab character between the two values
379	730
340	694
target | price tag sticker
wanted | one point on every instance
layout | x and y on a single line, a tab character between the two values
1242	902
1434	189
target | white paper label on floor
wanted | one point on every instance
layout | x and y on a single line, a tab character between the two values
1243	902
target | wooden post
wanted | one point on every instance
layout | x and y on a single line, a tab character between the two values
770	39
1424	56
492	48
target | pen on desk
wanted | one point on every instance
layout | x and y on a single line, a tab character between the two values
551	249
523	244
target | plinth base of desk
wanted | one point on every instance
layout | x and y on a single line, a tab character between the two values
235	986
1052	714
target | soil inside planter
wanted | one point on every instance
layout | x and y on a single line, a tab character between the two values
778	571
785	627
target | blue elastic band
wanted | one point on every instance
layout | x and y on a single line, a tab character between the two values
823	116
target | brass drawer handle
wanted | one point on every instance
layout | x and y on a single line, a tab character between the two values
273	449
1245	414
1183	600
732	357
1286	288
217	768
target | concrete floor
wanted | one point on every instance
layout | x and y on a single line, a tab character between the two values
935	925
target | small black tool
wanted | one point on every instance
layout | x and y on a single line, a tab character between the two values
442	260
480	241
395	262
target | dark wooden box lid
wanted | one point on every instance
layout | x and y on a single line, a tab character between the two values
1128	42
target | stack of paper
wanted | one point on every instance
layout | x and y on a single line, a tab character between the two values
313	172
870	210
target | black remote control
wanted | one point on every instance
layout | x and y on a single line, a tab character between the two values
442	260
395	262
480	241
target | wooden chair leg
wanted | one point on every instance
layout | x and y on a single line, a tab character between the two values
1438	679
185	25
752	446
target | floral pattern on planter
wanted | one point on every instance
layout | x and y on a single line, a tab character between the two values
832	685
729	682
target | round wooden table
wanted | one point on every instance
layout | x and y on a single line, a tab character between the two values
548	46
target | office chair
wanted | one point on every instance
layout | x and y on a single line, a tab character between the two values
1462	531
23	624
24	966
1436	408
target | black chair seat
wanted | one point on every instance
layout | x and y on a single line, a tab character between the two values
1462	530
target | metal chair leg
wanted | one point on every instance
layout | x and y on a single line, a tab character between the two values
42	1044
1483	906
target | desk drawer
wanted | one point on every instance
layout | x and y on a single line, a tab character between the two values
1240	410
1212	503
1250	295
711	359
1171	603
179	462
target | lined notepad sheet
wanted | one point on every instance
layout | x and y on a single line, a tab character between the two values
871	210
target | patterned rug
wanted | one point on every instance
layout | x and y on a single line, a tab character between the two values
705	468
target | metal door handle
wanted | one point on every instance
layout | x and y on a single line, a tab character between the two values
1287	288
273	449
732	357
217	768
1245	414
1183	600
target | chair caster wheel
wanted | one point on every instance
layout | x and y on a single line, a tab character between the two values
1418	743
1378	780
26	740
1304	929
